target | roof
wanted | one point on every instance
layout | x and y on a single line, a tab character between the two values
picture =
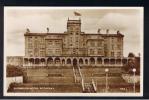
104	35
113	35
42	34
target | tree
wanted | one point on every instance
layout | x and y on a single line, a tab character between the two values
132	63
131	54
13	71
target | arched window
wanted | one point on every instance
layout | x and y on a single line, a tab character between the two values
75	62
50	60
86	61
63	61
37	61
80	61
124	61
57	60
25	60
31	60
43	60
106	61
92	60
99	61
118	61
112	61
69	61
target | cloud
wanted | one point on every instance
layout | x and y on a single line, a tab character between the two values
128	24
16	22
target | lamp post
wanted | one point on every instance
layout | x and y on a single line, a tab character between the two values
106	71
134	70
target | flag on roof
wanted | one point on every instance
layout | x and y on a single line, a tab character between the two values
77	14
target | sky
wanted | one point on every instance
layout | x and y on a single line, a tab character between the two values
17	19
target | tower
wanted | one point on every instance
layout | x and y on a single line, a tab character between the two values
74	31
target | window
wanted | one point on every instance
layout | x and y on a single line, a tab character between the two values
30	39
36	43
77	39
118	39
99	52
57	43
70	39
50	43
118	54
106	53
118	46
77	33
74	51
70	44
30	45
70	28
91	51
112	47
64	44
112	39
50	51
99	43
30	51
41	53
57	51
77	28
112	54
42	40
92	43
105	46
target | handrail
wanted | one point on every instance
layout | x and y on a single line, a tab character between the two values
94	86
80	72
82	82
74	74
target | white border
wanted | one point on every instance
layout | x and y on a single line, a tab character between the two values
79	94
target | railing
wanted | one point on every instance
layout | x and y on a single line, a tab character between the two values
78	76
94	85
80	72
82	83
74	74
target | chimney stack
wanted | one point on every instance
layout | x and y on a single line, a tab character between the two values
99	31
118	32
27	30
107	31
47	30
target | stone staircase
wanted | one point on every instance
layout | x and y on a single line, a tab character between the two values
88	87
77	74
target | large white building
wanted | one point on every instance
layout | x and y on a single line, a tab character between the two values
74	42
73	47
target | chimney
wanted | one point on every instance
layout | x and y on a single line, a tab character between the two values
27	30
99	31
107	31
118	32
47	30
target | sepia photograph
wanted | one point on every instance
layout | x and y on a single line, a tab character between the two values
73	51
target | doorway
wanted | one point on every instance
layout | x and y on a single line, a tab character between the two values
75	62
